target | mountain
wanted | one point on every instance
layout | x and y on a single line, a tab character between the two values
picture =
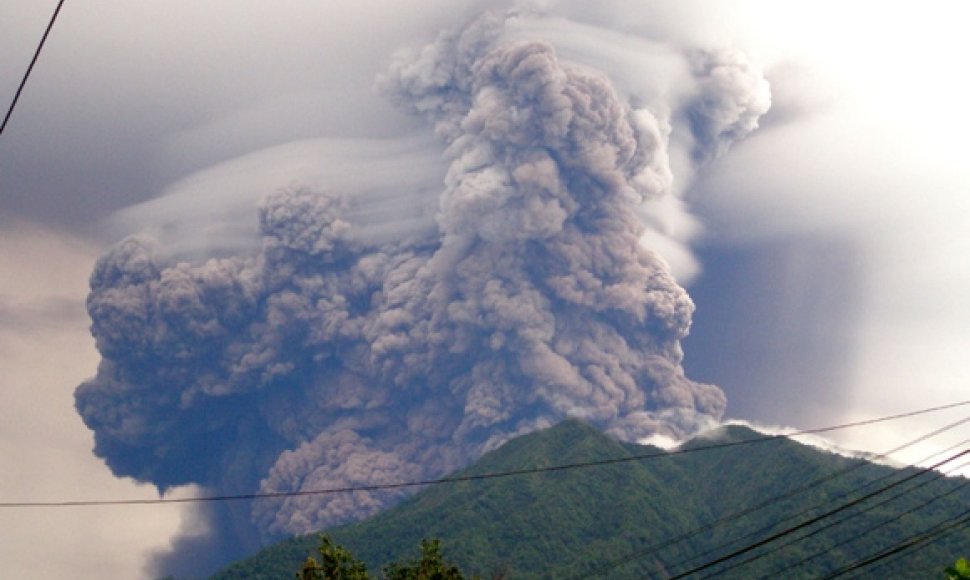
604	520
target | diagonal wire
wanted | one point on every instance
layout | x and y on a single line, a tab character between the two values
924	537
932	500
814	509
930	541
814	520
464	478
757	507
838	522
33	61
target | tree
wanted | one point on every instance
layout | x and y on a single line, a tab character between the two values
431	566
336	563
958	571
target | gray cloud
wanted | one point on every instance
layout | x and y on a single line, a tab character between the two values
733	96
333	356
34	315
862	149
126	101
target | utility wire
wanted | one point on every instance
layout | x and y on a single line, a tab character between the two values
832	524
33	61
466	478
814	520
936	538
928	535
640	554
868	484
867	531
815	508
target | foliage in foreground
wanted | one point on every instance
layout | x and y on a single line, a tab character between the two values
337	563
959	571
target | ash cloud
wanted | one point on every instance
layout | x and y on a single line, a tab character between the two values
330	356
733	96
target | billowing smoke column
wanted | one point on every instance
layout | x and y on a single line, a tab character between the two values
327	360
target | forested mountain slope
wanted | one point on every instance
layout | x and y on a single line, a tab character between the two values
619	520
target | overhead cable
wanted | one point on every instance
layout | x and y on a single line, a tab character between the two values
868	530
930	534
30	67
734	516
840	521
466	478
816	519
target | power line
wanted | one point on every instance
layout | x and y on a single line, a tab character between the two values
924	537
812	521
816	507
936	538
467	478
867	531
821	506
33	61
832	524
774	500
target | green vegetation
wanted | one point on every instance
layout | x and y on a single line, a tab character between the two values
431	566
337	563
605	519
958	571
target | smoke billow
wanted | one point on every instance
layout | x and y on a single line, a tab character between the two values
331	357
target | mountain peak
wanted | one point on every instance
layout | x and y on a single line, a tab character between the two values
729	433
570	441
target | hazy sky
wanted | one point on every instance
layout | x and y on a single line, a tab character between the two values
829	257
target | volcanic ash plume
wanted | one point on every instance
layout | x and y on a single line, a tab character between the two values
326	359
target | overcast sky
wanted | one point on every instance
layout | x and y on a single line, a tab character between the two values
829	263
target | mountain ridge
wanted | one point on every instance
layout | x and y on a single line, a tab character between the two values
575	521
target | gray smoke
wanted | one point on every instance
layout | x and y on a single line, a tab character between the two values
331	357
733	95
